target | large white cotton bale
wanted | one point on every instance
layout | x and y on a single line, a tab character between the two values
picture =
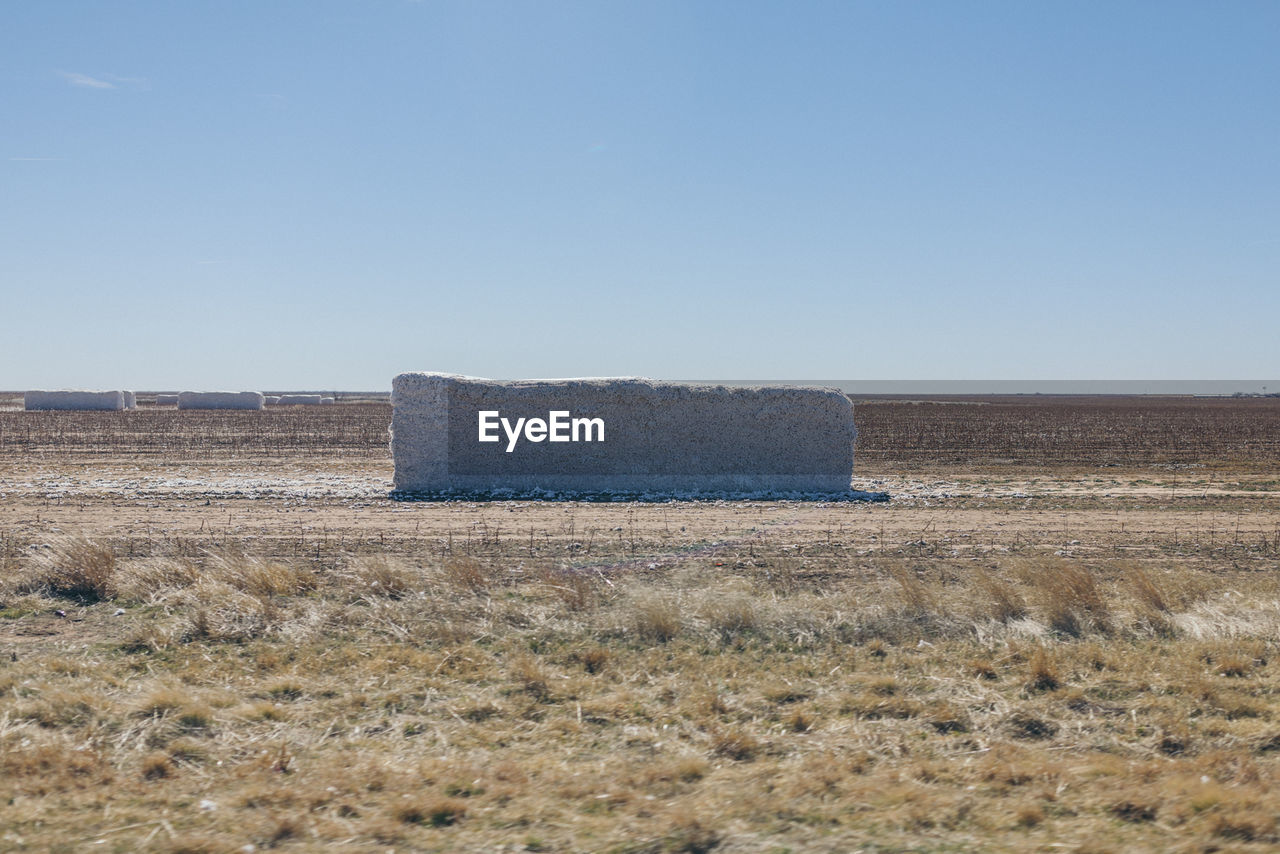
166	400
130	400
453	434
326	401
299	400
69	399
220	400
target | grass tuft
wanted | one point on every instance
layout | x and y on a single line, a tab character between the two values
76	568
999	600
1073	600
735	743
1024	725
380	576
432	811
657	618
466	573
1043	672
157	765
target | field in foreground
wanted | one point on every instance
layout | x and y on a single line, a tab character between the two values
1061	636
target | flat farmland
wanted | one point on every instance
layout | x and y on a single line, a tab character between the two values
218	631
1069	433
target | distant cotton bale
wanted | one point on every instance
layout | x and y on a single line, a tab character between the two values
220	400
166	400
326	401
130	400
639	436
300	400
104	401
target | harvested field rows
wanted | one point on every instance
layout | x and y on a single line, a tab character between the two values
1068	432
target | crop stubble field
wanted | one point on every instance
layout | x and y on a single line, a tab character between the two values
1060	635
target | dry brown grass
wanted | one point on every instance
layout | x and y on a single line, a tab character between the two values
74	567
1070	596
1043	672
656	617
1000	601
381	576
348	714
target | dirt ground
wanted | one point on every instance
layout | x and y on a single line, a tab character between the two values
285	504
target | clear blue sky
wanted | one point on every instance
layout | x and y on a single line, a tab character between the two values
322	194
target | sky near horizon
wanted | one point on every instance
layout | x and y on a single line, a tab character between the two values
324	193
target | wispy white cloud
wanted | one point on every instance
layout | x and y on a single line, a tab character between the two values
77	79
104	81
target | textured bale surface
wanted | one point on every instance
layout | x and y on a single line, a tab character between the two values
74	400
659	437
220	400
130	400
166	400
